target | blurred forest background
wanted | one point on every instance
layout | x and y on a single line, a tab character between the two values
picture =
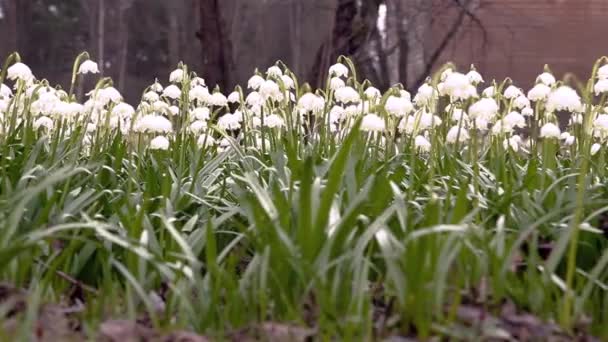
391	41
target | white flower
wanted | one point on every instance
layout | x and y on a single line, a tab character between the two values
274	71
310	102
270	90
489	91
218	99
172	92
576	119
198	126
273	121
602	73
5	91
205	141
200	94
372	93
457	133
600	126
444	75
87	67
527	111
459	114
458	86
45	122
336	114
486	108
174	110
569	141
228	122
201	113
234	97
287	82
153	124
422	143
501	127
398	106
159	143
197	81
564	98
372	123
151	96
19	71
424	95
346	95
123	110
595	148
336	83
176	76
406	94
255	82
254	99
69	109
515	119
550	130
521	102
474	77
157	87
339	70
512	92
546	79
109	94
601	87
539	92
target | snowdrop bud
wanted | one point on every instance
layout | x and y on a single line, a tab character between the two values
550	130
336	83
457	133
338	70
172	92
527	111
564	98
546	79
602	73
474	77
512	92
372	93
274	71
595	148
539	92
159	143
372	123
176	76
234	97
255	82
489	91
601	87
19	71
422	143
87	67
398	106
346	95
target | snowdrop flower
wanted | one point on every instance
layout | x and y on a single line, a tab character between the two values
151	96
157	87
372	123
501	127
398	106
123	110
514	142
424	95
336	114
444	75
172	92
372	93
601	87
600	126
197	126
234	97
228	122
201	113
5	91
218	99
273	121
19	71
550	130
310	102
109	94
486	108
270	90
406	94
521	102
339	70
200	94
274	71
88	67
569	141
174	110
457	86
176	76
254	99
44	122
576	119
488	92
3	107
422	143
255	82
205	141
595	148
287	82
512	92
153	124
474	77
564	98
539	92
602	72
457	133
546	79
346	95
459	114
336	83
159	143
515	119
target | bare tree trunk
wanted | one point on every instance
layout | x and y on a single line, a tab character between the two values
124	43
174	36
216	61
101	35
9	28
